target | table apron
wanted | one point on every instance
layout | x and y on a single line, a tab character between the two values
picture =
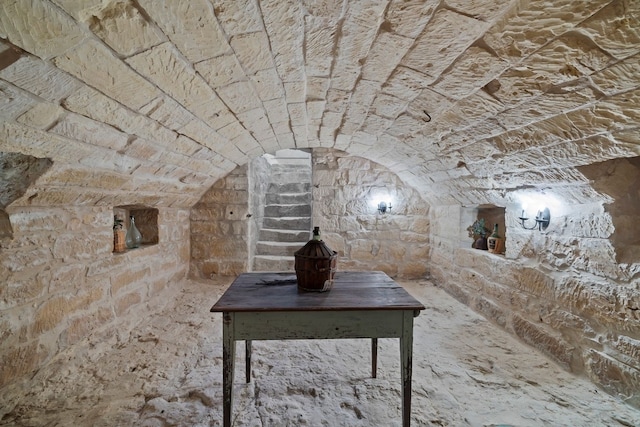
317	324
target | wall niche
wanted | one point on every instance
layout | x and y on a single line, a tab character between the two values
620	179
492	215
146	220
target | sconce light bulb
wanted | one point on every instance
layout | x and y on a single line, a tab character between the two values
383	206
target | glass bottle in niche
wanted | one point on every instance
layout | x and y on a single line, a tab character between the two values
495	242
134	238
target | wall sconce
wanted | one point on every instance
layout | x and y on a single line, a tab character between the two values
383	207
542	220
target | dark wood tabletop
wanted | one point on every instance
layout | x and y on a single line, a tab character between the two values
278	291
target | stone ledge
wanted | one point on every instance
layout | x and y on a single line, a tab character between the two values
615	377
539	337
129	250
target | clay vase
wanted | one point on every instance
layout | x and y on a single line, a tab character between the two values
481	243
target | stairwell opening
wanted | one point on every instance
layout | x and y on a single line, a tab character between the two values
281	202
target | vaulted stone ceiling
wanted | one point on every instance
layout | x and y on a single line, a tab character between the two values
463	99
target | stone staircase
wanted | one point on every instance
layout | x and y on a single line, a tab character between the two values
287	216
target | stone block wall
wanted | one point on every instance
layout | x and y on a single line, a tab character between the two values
62	282
345	190
561	291
220	225
259	180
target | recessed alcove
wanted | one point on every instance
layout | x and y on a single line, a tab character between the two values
491	214
620	180
146	220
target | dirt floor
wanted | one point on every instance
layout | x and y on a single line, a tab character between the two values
167	371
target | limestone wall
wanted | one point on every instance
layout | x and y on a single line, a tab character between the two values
259	179
220	227
345	190
563	290
62	282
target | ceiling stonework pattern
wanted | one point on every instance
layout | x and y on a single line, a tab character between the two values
463	99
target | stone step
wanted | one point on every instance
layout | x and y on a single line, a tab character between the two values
288	198
290	177
291	164
269	235
295	223
289	187
273	263
280	211
278	248
286	225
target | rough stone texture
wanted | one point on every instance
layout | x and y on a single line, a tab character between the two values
466	103
562	290
61	279
531	57
122	27
617	178
167	370
17	173
346	190
396	243
220	228
39	27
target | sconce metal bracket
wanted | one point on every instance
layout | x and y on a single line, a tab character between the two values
383	207
544	218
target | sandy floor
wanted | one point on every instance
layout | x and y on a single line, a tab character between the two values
168	372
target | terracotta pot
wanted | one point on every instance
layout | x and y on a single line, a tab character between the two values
480	243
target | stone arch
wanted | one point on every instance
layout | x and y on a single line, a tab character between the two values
396	242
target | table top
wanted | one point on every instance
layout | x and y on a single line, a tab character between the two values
278	291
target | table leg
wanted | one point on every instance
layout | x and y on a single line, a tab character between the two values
228	359
406	360
374	357
247	368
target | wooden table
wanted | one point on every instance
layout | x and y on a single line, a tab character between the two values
269	306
